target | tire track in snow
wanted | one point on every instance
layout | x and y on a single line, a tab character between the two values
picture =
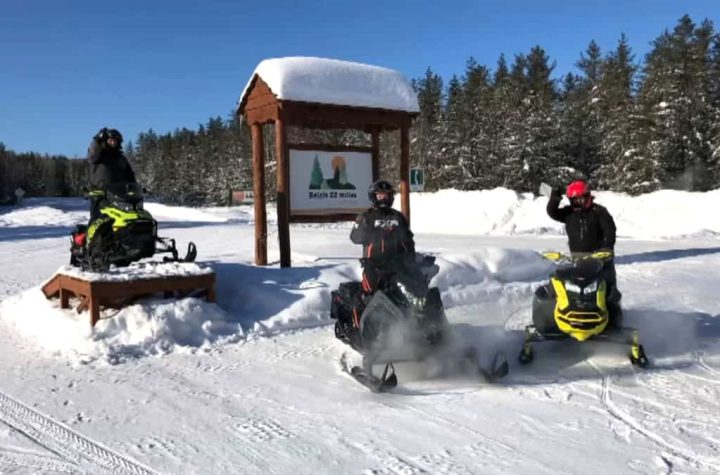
700	359
63	441
637	427
39	463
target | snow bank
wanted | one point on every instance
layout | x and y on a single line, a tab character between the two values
41	216
663	214
167	213
268	301
331	81
271	300
151	328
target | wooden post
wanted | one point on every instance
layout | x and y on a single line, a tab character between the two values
64	298
94	304
283	190
375	138
405	171
258	151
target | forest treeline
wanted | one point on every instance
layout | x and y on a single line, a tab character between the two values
624	124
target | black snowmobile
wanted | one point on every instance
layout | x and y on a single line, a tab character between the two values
577	304
123	233
388	327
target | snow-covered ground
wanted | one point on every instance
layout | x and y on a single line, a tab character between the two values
252	384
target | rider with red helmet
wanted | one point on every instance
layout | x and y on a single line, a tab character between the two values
589	226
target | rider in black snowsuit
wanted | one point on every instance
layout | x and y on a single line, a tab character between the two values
388	245
108	165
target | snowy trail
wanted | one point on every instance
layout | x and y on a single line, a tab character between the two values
280	404
84	453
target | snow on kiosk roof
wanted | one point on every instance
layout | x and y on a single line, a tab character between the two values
334	86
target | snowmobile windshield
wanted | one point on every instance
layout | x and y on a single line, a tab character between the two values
583	270
121	194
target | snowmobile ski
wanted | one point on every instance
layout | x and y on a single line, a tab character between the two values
387	381
621	336
498	368
168	245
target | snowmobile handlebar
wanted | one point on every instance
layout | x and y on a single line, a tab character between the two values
603	255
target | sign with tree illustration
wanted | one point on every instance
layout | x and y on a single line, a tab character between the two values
324	182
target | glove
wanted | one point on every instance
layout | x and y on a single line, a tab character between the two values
101	136
557	192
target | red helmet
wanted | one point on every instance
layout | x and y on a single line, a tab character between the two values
579	194
577	189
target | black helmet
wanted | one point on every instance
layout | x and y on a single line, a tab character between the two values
386	192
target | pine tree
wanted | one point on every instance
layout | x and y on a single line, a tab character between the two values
713	82
445	173
316	176
474	113
425	142
617	110
542	146
674	102
511	94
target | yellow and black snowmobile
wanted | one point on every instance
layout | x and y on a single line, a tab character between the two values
578	304
122	233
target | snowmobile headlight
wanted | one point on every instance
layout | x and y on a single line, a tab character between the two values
570	287
591	287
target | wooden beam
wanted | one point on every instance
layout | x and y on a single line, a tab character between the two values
283	192
375	140
314	115
405	172
263	115
328	147
258	154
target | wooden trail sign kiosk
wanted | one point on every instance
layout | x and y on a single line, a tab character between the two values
323	94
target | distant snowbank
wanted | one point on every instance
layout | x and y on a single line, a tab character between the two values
169	213
41	216
663	214
658	215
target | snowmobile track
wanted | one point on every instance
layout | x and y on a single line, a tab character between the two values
700	360
11	459
637	427
87	455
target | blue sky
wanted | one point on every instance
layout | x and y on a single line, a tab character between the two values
68	68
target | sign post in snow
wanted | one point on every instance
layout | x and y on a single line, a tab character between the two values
417	179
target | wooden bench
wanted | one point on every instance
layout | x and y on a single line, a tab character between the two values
118	293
